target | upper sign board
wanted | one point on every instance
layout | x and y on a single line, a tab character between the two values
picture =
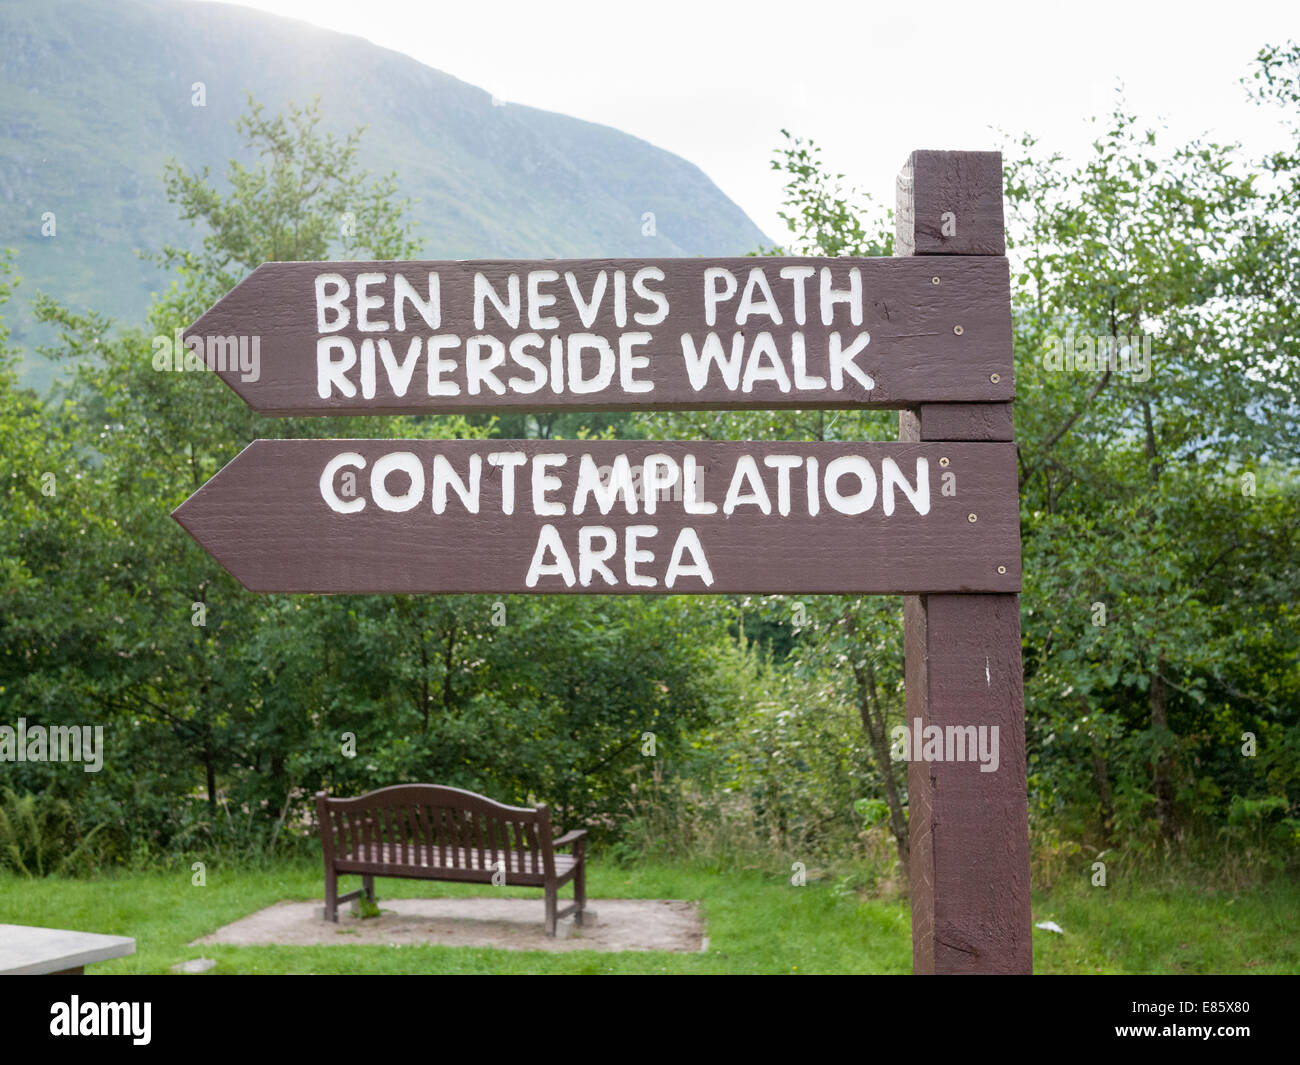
317	338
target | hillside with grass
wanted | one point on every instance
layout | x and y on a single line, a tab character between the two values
95	95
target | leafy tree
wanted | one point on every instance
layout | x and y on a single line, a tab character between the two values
160	635
1126	471
252	697
305	198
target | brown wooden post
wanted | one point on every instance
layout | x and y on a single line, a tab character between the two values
969	828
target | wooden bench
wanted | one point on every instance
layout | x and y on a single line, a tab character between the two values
431	832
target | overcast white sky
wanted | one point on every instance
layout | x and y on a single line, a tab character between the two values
716	82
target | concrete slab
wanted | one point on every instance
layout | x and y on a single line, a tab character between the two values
26	949
508	924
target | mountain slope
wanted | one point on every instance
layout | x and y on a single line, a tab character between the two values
96	94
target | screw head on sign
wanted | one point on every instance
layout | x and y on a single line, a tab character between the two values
1002	569
958	330
934	280
995	377
971	518
943	461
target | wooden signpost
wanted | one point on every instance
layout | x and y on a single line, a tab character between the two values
934	517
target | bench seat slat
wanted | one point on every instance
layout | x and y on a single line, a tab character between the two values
426	837
479	846
391	854
386	860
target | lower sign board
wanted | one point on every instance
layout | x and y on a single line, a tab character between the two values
500	516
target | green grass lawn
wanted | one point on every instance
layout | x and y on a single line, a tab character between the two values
756	923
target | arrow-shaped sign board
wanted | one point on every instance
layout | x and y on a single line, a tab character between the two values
612	516
600	334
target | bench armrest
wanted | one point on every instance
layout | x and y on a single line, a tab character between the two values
570	837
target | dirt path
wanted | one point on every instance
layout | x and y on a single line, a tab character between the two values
510	924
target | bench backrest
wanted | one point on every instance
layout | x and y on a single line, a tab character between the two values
435	826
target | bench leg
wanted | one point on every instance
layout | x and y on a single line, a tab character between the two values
331	896
551	907
368	883
580	887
